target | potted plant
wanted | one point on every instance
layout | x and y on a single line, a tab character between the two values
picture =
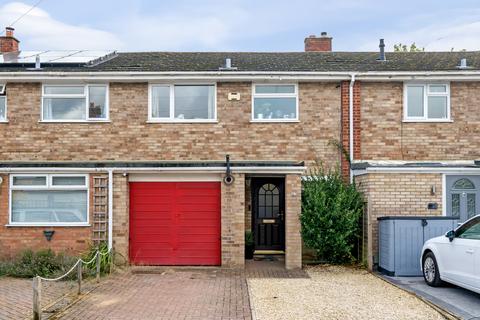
248	245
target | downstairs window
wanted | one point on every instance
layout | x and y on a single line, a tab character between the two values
49	199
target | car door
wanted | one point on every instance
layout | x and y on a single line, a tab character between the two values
462	254
457	260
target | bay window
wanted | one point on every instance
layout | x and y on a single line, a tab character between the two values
275	102
48	199
182	103
71	103
426	102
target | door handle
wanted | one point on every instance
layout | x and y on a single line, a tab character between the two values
470	251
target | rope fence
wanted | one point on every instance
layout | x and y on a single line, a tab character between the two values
37	281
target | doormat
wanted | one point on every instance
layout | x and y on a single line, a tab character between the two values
265	258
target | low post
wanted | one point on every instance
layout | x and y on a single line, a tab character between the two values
37	298
79	277
98	266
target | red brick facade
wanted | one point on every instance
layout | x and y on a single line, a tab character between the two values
14	239
319	44
345	125
8	43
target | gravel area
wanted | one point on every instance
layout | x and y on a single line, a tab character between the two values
334	292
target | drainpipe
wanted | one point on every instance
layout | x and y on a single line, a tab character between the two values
350	119
110	209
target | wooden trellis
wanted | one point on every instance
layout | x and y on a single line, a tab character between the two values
100	209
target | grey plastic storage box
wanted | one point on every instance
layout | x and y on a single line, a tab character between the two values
401	238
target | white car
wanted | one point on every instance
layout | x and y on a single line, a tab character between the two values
455	257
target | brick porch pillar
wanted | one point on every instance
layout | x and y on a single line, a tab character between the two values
233	223
293	239
120	215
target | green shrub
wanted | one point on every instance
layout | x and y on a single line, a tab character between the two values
331	210
248	238
44	263
105	259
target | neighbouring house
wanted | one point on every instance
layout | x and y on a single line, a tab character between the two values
171	156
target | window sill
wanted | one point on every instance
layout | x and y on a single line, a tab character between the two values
427	121
182	121
42	225
74	121
274	120
3	121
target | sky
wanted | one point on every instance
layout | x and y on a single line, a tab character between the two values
242	25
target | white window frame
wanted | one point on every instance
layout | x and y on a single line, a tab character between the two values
275	95
6	110
48	186
86	95
426	94
172	118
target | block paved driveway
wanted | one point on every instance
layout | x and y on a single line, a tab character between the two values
16	296
166	294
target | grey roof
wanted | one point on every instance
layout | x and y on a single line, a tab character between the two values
272	61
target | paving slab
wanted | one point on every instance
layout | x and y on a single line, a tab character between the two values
460	302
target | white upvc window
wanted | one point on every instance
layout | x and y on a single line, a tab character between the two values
3	103
49	200
3	108
182	103
275	103
74	103
426	102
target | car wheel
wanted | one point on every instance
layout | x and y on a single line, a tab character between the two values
431	274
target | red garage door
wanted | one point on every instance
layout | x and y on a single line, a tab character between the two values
175	223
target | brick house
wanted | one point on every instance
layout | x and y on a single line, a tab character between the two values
132	148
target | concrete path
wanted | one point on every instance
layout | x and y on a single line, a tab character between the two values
460	302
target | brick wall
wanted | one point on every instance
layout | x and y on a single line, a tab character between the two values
390	194
248	204
121	214
13	240
293	238
129	137
345	125
386	137
233	222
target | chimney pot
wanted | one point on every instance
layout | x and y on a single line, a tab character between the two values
318	44
9	31
8	43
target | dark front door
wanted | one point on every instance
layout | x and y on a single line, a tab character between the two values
268	209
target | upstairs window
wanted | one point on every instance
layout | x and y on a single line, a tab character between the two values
182	103
49	199
3	103
275	102
427	102
71	103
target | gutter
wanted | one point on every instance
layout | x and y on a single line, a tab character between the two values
259	169
473	75
350	119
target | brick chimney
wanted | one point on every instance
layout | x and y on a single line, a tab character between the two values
8	43
319	44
